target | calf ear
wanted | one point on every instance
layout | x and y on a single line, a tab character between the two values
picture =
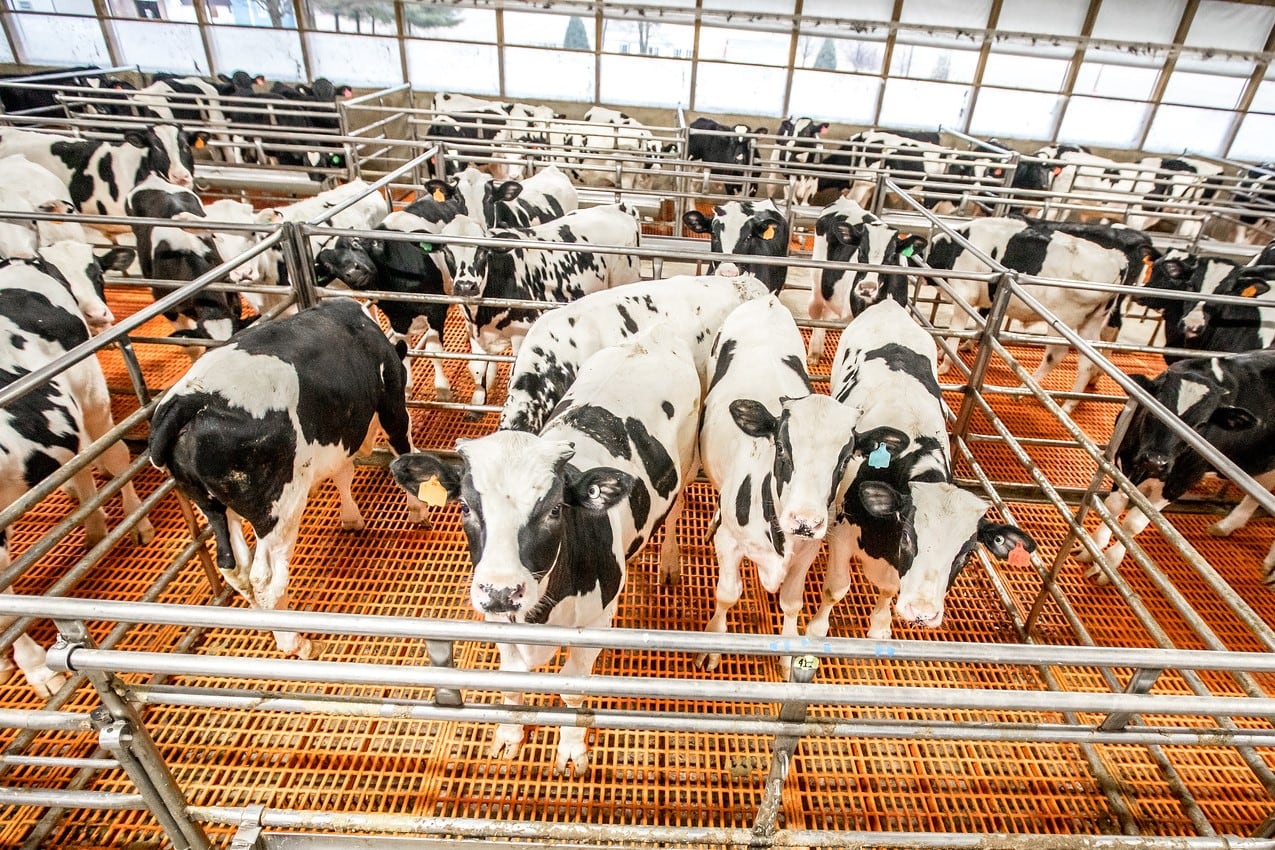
136	139
894	440
1252	286
1232	418
599	489
116	259
412	470
753	418
439	190
911	245
1000	540
880	499
1143	381
696	222
507	191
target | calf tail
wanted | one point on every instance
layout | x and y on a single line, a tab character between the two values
170	419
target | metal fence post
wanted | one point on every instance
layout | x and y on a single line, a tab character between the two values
991	326
765	824
300	265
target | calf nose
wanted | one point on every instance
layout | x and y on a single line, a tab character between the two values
465	287
921	615
806	524
1155	465
867	291
181	178
1193	328
500	600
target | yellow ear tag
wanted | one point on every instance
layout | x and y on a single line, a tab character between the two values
199	142
770	232
439	196
1249	291
432	492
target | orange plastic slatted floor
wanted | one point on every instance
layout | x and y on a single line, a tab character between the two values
406	767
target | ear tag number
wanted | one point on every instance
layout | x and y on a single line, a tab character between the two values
880	457
432	492
1018	556
769	232
439	196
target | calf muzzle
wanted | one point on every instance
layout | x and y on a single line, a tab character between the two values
499	600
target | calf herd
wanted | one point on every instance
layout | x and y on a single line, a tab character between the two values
616	400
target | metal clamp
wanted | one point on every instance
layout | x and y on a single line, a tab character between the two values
58	657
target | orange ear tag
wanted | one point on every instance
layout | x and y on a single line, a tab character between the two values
199	143
1249	291
439	196
1018	556
432	492
769	233
1146	270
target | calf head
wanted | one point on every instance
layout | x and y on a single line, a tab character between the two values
524	508
867	240
1149	449
927	534
84	270
472	189
811	440
470	266
349	259
1252	282
746	227
168	153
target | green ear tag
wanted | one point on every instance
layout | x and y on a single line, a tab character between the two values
427	247
908	251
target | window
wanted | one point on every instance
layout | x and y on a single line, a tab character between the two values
1178	128
365	17
1098	121
432	65
545	30
537	75
445	22
742	89
1057	17
646	81
823	53
756	48
355	60
1024	71
933	63
1230	26
863	10
1014	114
252	13
1139	21
911	104
970	14
162	47
151	10
1112	79
855	103
646	38
55	40
1253	141
273	53
1204	90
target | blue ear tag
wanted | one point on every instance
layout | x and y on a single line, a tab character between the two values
880	457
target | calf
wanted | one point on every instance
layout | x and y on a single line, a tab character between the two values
1230	402
732	147
37	184
910	158
44	429
799	144
1097	178
253	426
265	269
1045	254
188	102
84	268
908	525
1254	195
746	228
100	174
775	452
1169	185
846	233
689	308
494	122
393	266
552	517
537	274
610	130
1180	271
543	197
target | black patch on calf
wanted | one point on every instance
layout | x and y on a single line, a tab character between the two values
796	364
744	501
775	533
660	469
639	504
724	357
900	358
601	425
667	407
630	326
36	316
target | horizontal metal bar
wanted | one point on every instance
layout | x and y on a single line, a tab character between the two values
61	761
48	798
45	721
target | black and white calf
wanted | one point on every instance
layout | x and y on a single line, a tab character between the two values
743	228
541	198
255	425
800	144
1181	271
44	429
775	450
552	517
910	528
501	122
1094	183
730	151
188	102
536	274
392	266
101	174
847	233
1045	254
1230	402
604	130
1173	184
691	308
84	269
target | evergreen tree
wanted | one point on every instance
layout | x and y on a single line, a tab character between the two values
827	58
577	37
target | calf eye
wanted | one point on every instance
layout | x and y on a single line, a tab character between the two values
595	492
464	508
555	511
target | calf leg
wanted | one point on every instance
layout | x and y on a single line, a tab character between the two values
886	581
817	311
27	654
1086	372
1133	525
670	551
507	742
1053	356
269	573
478	370
1243	512
351	519
729	588
84	489
434	343
836	582
115	460
1116	502
792	595
957	324
1268	566
572	747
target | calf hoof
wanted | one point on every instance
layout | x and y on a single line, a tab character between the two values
879	633
45	682
573	759
443	394
1081	554
814	358
944	366
1218	529
1097	573
1268	572
507	743
142	533
473	416
708	661
308	650
356	524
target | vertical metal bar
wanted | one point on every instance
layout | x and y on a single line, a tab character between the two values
765	824
500	49
1073	70
792	60
887	57
690	99
134	368
400	21
303	28
1011	169
991	326
296	257
108	32
1166	71
1250	91
201	20
993	18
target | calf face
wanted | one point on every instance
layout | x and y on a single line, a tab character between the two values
349	260
167	153
1239	327
868	240
742	228
84	270
522	503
